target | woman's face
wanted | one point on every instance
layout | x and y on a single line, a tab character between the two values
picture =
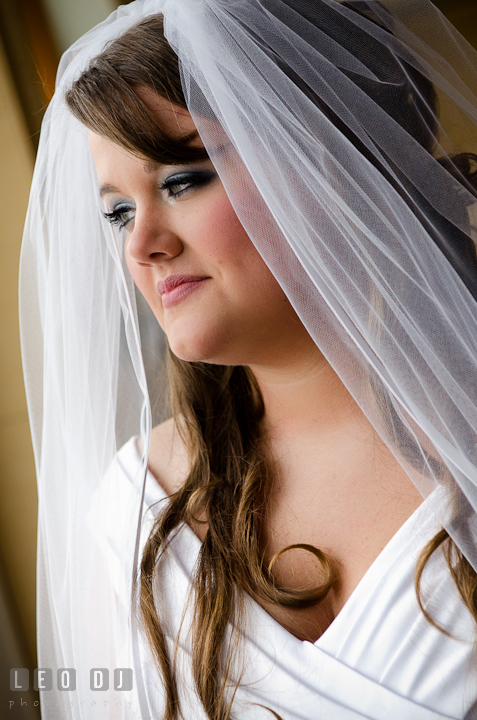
189	255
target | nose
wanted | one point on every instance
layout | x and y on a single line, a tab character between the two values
152	239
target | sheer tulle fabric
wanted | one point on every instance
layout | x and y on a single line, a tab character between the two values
358	221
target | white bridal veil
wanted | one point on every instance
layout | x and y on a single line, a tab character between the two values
365	216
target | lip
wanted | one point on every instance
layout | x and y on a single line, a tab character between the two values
175	288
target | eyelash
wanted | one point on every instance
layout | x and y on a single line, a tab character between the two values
116	216
190	179
196	179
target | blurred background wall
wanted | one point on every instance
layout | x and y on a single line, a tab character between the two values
33	34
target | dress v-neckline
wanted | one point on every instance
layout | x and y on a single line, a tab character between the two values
397	544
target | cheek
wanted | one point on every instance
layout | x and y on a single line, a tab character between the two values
248	283
219	231
234	252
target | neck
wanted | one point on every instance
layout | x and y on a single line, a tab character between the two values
304	396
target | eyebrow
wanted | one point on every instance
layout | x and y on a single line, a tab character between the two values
150	166
105	189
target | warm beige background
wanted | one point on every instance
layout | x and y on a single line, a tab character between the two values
17	478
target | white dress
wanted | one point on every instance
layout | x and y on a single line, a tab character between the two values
379	659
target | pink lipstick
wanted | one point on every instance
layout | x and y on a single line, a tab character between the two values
175	288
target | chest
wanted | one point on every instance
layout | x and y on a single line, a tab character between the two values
349	506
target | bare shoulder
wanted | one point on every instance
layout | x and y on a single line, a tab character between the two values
168	459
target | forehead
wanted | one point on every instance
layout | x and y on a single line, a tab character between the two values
174	120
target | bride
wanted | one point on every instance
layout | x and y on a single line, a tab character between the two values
292	202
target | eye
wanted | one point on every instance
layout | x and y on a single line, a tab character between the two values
180	183
121	215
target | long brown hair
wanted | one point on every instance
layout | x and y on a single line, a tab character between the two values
218	411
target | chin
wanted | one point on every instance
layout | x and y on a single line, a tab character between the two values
200	347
